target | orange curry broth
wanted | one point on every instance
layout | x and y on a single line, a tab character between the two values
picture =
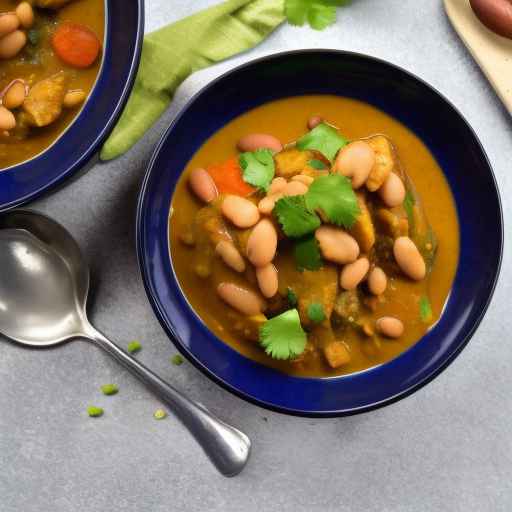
286	119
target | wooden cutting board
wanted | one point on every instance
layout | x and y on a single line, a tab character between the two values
493	53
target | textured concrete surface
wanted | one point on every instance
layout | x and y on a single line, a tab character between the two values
447	447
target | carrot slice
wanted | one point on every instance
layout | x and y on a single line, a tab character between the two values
76	45
228	178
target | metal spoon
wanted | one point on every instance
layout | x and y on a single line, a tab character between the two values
44	283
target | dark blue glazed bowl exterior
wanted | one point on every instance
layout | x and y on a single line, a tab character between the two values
124	30
419	107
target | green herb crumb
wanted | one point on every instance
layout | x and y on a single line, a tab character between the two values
134	346
316	313
177	359
159	414
425	310
109	389
94	412
33	36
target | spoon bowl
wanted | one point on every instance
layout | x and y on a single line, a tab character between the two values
43	295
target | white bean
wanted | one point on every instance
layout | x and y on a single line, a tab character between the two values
353	273
241	212
7	119
267	280
377	281
392	192
239	298
409	259
262	243
230	255
202	185
390	326
256	141
336	245
355	161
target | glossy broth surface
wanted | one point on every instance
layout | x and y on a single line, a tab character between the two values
286	119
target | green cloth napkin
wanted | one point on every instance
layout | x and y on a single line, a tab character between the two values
172	53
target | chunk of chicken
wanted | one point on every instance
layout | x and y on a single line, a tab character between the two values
291	161
337	354
43	103
392	224
363	230
384	162
51	4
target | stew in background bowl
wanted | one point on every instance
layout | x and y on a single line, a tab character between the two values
38	154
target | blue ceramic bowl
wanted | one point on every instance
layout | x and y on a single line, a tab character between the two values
419	107
124	30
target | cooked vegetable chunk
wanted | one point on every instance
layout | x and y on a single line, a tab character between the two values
337	354
43	103
384	162
363	230
291	161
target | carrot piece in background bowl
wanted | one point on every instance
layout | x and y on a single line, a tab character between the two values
76	45
228	178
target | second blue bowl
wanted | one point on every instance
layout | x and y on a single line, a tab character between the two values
423	110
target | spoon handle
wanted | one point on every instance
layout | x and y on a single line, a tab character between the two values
227	447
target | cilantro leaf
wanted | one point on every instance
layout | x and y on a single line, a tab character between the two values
294	217
316	312
321	16
317	164
333	195
317	13
323	138
425	310
296	11
282	337
307	253
292	297
258	168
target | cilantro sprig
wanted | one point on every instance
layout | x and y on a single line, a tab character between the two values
333	195
282	337
319	14
295	218
258	168
307	253
323	138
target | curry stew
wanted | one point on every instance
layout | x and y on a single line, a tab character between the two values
316	235
50	55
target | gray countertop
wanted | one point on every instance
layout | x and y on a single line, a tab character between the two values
447	447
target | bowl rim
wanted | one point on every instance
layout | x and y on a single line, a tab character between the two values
143	267
81	162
